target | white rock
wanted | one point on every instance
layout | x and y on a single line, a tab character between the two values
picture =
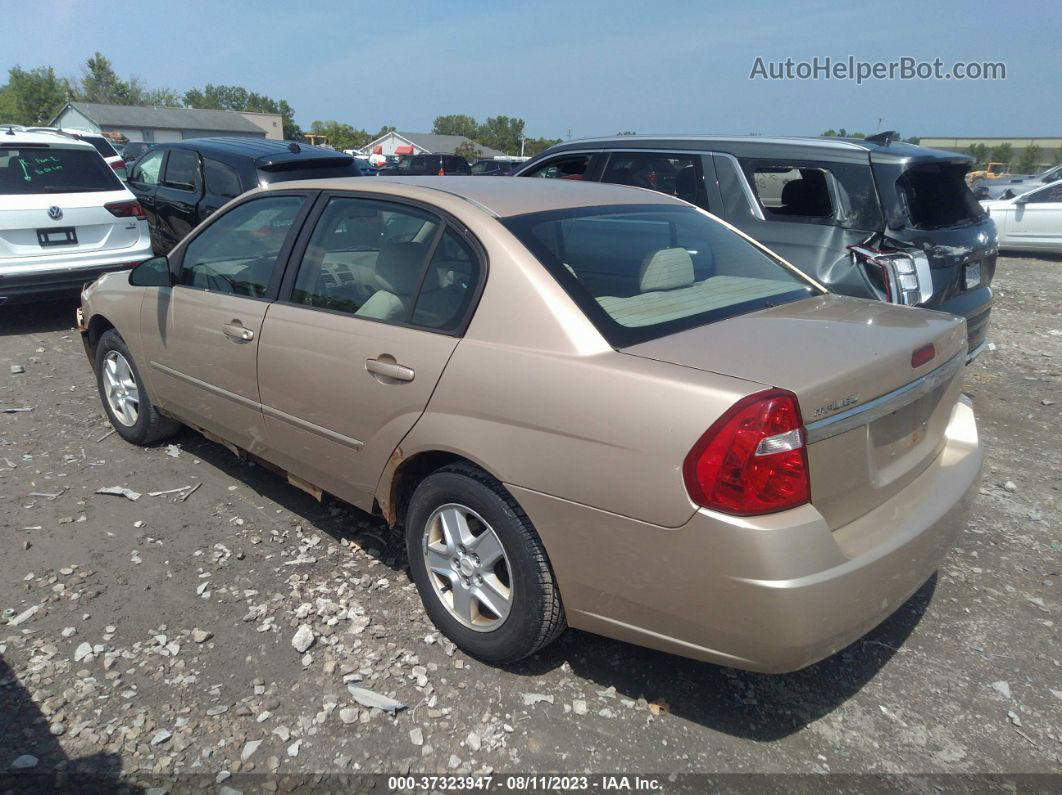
455	761
283	732
1010	486
579	706
201	635
348	715
473	741
161	736
24	616
1003	688
293	749
69	632
24	761
416	736
303	638
82	652
249	748
530	699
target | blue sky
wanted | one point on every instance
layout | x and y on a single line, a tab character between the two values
578	68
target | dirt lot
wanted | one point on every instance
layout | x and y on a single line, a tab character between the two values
159	633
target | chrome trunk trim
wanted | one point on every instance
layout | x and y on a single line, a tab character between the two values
886	404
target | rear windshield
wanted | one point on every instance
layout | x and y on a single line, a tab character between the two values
103	146
53	170
644	271
935	195
307	170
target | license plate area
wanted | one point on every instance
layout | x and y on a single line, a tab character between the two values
57	236
972	275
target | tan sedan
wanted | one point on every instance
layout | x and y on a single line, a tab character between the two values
587	405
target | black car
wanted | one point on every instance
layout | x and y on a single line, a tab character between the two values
494	168
429	165
134	149
873	218
179	184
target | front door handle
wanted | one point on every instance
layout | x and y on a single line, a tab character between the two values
236	330
389	368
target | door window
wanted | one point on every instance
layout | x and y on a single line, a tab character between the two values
182	170
221	180
366	258
449	284
673	174
573	167
237	254
1052	193
146	171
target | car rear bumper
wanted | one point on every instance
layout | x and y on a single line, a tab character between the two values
34	280
976	306
773	593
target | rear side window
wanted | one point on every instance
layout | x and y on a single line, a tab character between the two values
236	254
34	170
935	195
448	286
103	146
221	180
674	174
182	170
644	271
834	194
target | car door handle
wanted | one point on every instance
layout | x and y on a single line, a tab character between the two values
237	331
389	369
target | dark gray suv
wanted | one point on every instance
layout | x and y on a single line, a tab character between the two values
870	217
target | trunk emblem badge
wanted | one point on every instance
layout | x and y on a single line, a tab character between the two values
836	405
55	213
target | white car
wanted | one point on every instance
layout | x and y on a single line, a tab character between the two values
1031	221
65	217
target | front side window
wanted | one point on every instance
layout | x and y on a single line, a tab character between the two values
33	170
573	167
146	171
366	258
644	271
182	170
237	254
1052	193
674	174
833	194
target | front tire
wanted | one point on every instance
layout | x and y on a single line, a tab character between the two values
125	397
479	566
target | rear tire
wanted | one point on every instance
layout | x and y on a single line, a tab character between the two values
124	395
500	611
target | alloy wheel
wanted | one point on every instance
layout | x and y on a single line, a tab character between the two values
121	389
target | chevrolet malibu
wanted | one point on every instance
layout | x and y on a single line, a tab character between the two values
586	405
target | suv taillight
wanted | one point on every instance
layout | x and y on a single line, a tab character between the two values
904	275
126	209
753	459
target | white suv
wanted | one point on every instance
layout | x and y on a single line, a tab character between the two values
65	217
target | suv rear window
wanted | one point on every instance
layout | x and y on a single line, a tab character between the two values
32	170
935	195
645	271
833	194
307	169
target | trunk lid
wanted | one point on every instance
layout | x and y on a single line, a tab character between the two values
30	231
838	355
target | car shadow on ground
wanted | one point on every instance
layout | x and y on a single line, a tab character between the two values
25	731
753	706
37	318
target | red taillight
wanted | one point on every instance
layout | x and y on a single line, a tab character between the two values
118	164
442	173
924	354
126	209
753	459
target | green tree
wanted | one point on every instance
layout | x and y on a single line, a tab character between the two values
102	84
626	132
1001	154
455	124
468	150
383	131
163	98
830	133
532	146
33	96
859	135
339	135
1029	162
913	139
979	152
238	98
502	133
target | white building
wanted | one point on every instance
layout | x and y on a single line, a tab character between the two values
408	143
157	125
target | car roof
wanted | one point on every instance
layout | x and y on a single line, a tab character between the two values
260	150
52	139
764	146
500	196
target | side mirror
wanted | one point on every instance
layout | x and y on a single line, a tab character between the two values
154	272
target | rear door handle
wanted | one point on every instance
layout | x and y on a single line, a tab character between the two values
236	330
389	369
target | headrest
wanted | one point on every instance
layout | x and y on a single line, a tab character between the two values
666	269
398	267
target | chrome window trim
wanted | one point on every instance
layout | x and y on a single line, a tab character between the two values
884	405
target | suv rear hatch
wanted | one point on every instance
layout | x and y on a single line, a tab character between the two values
874	420
57	200
305	162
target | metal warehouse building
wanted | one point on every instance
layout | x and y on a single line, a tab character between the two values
158	125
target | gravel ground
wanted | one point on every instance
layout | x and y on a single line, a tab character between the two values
156	635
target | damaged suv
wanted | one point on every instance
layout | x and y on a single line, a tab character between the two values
872	218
